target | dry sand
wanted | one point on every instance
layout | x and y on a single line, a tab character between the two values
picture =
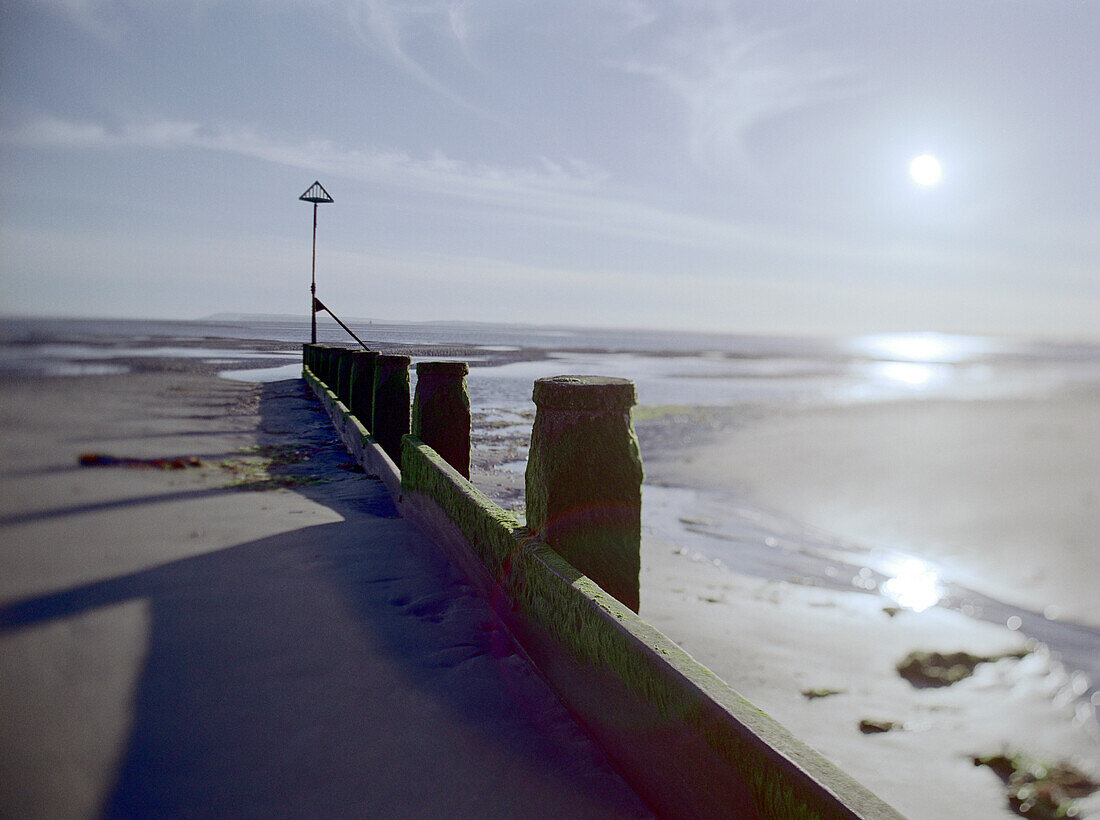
1002	494
259	636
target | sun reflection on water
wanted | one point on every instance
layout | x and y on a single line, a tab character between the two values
924	347
919	361
914	585
912	374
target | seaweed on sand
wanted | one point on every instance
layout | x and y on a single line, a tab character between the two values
931	669
1046	791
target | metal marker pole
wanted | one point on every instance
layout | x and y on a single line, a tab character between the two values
316	194
313	280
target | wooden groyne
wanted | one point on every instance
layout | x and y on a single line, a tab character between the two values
567	583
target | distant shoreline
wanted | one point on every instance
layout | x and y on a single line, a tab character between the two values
301	324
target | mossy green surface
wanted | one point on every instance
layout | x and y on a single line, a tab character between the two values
489	529
731	748
584	494
814	694
357	439
256	468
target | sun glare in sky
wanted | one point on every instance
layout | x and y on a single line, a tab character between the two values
925	170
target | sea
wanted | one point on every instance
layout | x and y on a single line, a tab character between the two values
668	367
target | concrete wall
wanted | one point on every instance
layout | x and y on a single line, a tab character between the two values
690	745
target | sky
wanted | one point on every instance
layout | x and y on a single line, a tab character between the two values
705	165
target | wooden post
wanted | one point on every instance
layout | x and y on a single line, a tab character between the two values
441	411
390	417
584	479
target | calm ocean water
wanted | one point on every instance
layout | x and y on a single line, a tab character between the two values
670	368
933	346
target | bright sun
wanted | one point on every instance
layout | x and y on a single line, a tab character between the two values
925	170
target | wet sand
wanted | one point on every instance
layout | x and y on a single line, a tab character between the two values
757	520
1001	495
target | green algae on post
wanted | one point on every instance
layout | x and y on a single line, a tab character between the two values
584	477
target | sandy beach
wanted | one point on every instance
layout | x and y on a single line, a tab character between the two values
253	633
1003	495
984	491
772	531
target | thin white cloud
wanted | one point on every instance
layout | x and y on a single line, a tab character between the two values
458	15
732	77
567	194
385	26
55	132
570	195
436	173
51	132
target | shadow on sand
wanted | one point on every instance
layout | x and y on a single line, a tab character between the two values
335	670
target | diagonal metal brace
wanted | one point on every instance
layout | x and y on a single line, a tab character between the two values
319	305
